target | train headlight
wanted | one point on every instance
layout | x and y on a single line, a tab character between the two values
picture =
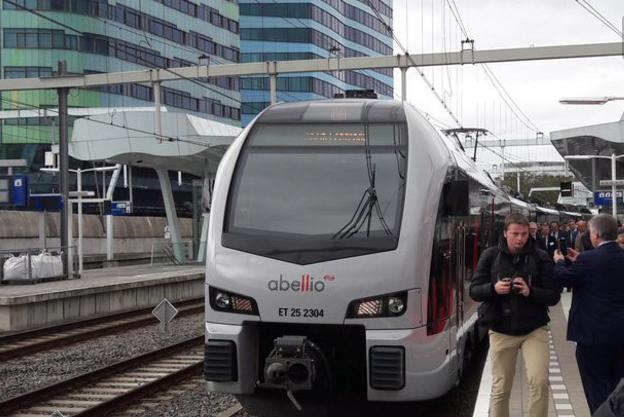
221	300
389	305
396	305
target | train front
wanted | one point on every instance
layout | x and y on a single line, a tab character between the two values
316	263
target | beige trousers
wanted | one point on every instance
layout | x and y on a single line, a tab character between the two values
504	351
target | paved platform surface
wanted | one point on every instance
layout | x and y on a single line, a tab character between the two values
567	398
98	280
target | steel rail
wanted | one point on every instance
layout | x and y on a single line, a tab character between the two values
67	386
97	327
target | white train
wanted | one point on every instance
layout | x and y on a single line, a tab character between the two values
343	238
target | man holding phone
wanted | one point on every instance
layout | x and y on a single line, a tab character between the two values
596	320
515	283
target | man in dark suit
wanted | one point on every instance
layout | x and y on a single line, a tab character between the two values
572	233
596	320
547	242
533	233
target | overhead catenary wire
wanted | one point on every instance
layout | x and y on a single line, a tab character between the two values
132	129
594	12
203	85
498	86
422	74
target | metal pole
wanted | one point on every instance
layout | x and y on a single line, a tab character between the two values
613	196
130	187
503	160
110	252
594	162
518	178
273	88
158	120
64	168
79	185
404	84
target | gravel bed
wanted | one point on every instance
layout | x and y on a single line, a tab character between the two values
459	402
35	371
197	402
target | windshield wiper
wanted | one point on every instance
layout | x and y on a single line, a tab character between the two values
364	209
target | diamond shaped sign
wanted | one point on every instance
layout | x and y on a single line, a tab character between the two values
164	312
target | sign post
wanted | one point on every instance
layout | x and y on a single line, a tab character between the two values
164	312
603	198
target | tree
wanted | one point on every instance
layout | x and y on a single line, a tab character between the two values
528	181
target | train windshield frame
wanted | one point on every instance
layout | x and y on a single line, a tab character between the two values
314	192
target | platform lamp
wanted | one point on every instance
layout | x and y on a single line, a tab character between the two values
589	100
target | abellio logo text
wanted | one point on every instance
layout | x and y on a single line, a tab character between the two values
307	283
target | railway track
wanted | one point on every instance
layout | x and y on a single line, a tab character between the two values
114	387
25	343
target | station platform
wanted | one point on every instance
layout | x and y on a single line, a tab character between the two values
567	398
98	292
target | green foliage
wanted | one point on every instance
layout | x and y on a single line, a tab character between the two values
528	181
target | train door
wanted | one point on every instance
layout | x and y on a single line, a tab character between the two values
460	270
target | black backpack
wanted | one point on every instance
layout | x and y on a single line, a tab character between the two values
488	312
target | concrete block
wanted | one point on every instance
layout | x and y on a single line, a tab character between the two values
123	300
103	303
71	308
5	318
91	302
36	314
155	295
19	317
54	311
87	305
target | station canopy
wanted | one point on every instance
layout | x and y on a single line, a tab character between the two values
601	139
188	143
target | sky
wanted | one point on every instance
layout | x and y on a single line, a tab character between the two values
428	26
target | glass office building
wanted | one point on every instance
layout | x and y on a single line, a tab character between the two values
276	30
96	36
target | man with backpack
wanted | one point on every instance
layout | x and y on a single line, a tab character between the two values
515	283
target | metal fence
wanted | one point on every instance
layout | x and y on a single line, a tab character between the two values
163	252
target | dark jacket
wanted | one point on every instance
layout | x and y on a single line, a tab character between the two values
614	406
583	242
549	244
571	236
597	311
515	314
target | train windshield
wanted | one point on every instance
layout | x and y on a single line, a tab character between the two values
307	193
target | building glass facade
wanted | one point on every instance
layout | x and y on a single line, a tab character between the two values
96	36
277	30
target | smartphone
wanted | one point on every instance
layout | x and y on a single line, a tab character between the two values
563	245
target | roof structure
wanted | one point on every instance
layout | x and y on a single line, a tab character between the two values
601	139
188	143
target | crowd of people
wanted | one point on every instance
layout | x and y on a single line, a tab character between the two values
519	280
